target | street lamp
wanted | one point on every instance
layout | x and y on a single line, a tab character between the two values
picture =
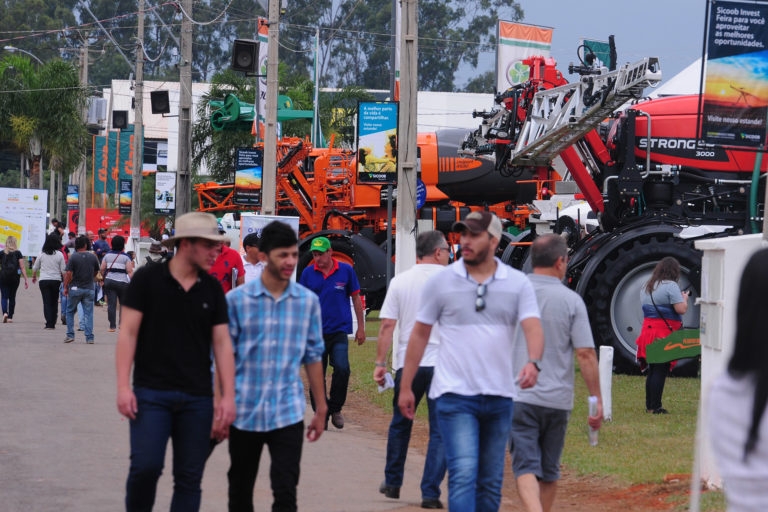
13	49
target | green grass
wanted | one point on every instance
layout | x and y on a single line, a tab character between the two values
634	448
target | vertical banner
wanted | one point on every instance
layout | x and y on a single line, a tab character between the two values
261	101
113	147
248	174
100	164
517	41
165	193
73	207
735	95
398	24
377	142
126	196
73	197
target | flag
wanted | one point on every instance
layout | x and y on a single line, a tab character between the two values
516	42
261	93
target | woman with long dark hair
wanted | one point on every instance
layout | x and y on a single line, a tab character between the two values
50	266
663	308
737	398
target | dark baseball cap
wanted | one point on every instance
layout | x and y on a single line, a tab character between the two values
477	222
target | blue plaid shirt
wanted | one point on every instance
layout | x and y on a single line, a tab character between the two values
272	338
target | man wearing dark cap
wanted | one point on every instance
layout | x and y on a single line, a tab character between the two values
174	318
252	262
335	282
479	303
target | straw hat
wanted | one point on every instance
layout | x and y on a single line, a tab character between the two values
195	225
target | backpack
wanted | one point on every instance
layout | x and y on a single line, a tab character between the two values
9	267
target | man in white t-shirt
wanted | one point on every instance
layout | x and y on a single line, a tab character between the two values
252	259
480	303
399	308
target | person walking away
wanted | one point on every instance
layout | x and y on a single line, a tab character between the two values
79	278
174	319
100	249
156	253
399	309
117	269
663	308
736	400
50	266
541	413
252	260
276	328
480	304
335	282
227	264
12	269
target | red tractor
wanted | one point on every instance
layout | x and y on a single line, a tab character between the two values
639	163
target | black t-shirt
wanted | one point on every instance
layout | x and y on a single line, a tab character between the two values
173	351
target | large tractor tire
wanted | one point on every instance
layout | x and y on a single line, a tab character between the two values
613	296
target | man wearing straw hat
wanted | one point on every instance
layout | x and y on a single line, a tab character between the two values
174	317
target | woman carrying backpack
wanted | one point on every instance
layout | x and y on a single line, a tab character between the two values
117	269
11	272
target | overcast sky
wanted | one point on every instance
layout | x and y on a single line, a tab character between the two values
672	30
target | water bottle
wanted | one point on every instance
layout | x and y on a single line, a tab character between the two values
592	401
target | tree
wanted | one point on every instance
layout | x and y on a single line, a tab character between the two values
41	112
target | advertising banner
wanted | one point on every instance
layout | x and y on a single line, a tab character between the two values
518	41
165	193
23	215
377	142
735	94
73	197
125	196
248	174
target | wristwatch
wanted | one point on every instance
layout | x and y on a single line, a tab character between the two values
536	363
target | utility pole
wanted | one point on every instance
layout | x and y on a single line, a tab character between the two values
138	134
405	236
183	174
269	176
82	173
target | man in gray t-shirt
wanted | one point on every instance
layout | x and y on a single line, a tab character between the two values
79	288
541	413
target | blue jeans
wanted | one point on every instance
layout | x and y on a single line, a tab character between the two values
185	419
337	353
400	435
475	430
8	295
82	296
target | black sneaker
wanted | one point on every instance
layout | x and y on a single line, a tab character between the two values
432	503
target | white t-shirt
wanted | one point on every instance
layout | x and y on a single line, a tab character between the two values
252	270
476	347
402	303
729	410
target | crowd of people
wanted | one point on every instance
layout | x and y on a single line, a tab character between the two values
211	345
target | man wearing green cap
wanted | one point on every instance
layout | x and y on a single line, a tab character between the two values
335	282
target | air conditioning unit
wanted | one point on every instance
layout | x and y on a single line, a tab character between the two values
97	112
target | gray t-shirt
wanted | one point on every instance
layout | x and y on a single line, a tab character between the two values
566	327
665	295
83	265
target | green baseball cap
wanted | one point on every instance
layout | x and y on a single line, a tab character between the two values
320	244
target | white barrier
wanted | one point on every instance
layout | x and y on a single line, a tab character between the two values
606	384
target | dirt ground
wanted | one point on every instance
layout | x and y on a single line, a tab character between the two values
574	493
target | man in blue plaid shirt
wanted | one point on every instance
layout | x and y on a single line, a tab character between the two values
275	325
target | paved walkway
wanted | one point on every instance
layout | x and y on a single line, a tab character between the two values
64	447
